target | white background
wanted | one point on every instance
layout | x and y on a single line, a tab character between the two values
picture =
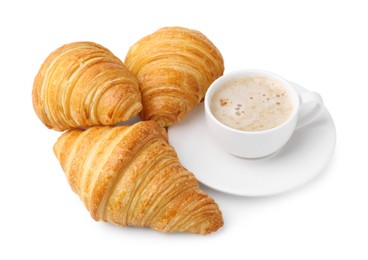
322	45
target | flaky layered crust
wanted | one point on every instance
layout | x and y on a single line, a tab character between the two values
83	84
175	66
130	175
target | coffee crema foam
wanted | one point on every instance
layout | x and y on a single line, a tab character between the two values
252	103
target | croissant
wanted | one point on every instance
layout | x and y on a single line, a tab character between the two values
83	84
130	175
175	66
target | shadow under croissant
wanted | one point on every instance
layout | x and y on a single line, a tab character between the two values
148	232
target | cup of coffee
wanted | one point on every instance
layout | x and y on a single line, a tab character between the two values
253	113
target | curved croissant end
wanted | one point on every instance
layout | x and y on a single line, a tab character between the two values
130	175
175	66
83	84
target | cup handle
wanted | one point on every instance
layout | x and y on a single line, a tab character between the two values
311	106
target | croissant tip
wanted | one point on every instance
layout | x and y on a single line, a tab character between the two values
213	226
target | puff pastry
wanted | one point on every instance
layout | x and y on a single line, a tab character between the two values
83	84
175	66
130	175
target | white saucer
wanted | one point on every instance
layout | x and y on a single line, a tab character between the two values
301	159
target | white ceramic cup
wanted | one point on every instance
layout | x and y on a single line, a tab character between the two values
256	144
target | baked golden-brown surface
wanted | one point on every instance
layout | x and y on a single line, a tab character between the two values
83	84
130	175
175	66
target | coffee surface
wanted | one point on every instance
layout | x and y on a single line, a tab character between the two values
253	103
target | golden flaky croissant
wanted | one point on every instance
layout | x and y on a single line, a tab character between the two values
175	66
130	175
83	84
